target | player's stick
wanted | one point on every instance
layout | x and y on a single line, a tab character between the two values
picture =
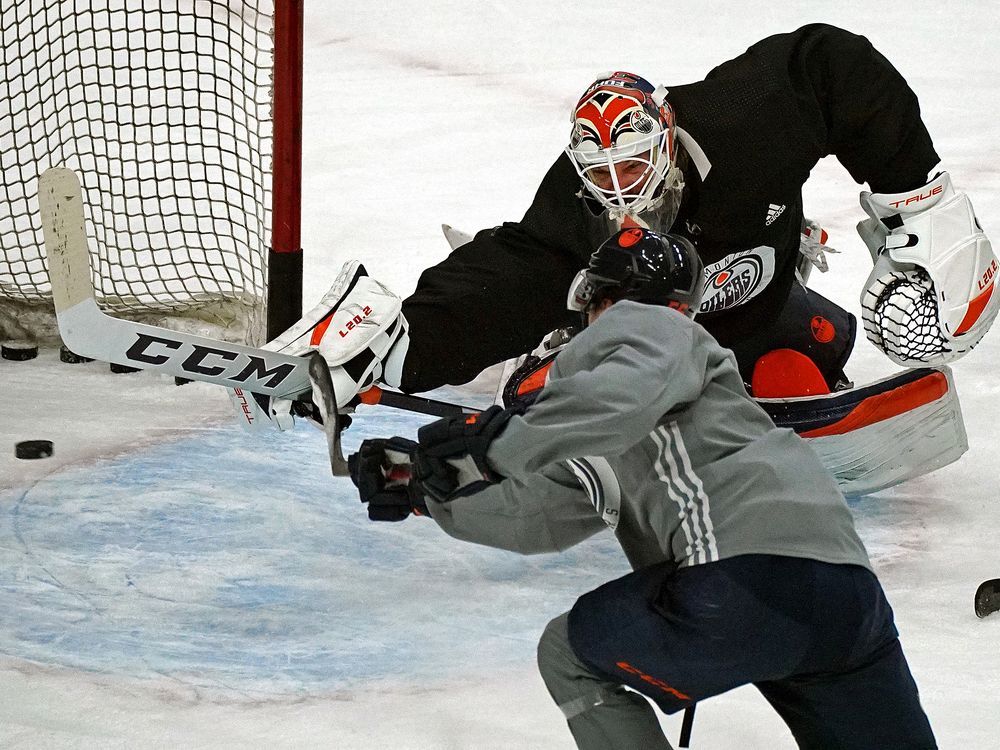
325	399
687	724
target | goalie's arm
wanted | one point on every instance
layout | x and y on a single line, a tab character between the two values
929	299
497	296
852	103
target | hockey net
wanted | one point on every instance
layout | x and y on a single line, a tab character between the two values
164	109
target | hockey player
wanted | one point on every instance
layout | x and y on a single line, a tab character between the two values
747	565
721	162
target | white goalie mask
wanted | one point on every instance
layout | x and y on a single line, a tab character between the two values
623	147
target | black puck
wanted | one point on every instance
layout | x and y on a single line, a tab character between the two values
33	449
988	597
19	351
65	355
116	368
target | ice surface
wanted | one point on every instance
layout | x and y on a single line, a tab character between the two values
167	580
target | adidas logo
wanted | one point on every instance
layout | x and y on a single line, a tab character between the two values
773	212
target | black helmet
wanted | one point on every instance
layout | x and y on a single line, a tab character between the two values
644	266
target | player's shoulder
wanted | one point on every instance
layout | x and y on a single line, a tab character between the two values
642	326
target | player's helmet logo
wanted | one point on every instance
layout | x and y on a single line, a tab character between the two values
630	237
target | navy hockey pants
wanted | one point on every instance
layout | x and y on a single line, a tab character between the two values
808	323
816	639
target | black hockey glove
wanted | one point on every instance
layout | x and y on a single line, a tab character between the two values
451	457
382	472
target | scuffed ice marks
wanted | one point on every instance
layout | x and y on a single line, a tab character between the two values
235	561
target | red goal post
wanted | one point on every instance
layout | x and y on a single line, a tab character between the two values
183	120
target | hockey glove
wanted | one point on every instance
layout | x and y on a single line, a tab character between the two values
382	472
930	298
451	457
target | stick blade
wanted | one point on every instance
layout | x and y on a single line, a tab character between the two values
988	597
60	201
325	400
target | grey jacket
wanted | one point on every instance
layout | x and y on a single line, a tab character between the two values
644	426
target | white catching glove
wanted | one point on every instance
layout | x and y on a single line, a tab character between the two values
929	298
359	330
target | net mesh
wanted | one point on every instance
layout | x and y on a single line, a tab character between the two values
164	109
904	319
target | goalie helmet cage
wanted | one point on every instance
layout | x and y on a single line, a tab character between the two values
183	120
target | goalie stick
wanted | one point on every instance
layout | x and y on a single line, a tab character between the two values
89	332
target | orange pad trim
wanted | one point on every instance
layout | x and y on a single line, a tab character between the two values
887	405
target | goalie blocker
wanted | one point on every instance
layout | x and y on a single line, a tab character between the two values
358	328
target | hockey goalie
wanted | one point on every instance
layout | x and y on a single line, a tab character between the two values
720	162
663	158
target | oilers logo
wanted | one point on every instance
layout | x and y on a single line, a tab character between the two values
737	278
641	122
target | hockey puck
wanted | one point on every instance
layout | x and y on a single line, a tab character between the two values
33	449
65	355
116	368
988	597
19	351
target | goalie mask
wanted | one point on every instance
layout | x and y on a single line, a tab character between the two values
644	266
623	147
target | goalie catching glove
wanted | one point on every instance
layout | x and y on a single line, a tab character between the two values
930	297
359	329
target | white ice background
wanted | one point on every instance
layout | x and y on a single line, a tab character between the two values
168	580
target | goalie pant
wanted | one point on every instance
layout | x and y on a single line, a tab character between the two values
690	474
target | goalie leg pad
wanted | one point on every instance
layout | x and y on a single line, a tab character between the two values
809	324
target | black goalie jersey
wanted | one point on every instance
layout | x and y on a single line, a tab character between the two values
752	131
